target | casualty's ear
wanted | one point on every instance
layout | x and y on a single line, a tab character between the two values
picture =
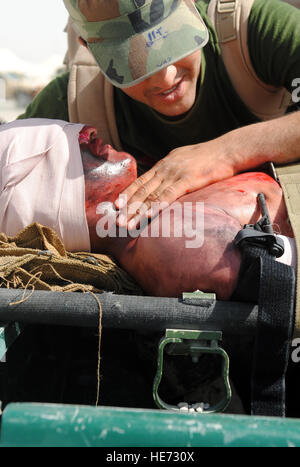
82	41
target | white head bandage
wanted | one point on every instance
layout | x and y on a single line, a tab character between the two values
41	180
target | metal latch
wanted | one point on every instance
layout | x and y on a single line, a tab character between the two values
227	6
261	233
193	343
204	299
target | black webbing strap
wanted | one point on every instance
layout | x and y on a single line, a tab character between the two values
272	285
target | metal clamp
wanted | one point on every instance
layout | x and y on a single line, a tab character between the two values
46	253
91	260
226	20
261	233
194	343
227	6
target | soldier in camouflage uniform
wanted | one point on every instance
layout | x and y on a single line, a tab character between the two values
132	40
173	98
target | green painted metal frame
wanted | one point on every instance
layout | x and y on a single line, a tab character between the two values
8	334
44	425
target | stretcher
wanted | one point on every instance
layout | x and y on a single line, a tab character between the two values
105	355
190	325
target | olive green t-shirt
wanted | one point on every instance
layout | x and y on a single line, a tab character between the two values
274	47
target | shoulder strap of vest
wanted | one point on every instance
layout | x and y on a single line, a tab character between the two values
90	95
230	19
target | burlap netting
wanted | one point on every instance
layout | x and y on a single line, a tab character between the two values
36	259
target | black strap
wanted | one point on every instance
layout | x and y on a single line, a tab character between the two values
271	284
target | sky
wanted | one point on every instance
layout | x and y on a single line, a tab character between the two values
33	29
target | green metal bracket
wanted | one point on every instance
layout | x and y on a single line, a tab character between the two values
199	298
193	343
8	334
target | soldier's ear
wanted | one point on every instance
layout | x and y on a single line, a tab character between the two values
82	41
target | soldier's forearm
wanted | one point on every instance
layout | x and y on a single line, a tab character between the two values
276	140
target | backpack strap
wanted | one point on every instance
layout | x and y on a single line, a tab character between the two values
230	19
90	95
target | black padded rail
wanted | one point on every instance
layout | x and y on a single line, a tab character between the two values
125	311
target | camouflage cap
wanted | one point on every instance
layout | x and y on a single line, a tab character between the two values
133	39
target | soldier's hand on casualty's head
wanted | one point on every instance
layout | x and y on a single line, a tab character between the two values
183	170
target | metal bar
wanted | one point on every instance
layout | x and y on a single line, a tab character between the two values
45	425
126	312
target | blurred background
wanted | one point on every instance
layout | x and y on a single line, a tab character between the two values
32	48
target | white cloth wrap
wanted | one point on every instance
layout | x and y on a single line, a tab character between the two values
42	180
289	256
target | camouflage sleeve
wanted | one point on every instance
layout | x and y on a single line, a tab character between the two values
51	102
274	42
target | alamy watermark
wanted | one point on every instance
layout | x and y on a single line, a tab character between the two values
179	220
295	354
296	91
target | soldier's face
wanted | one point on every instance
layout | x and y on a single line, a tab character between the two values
172	90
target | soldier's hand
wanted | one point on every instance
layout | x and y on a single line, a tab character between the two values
182	171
